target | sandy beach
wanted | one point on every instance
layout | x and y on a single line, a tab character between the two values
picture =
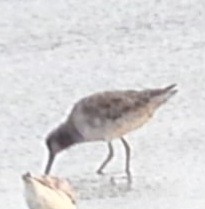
52	53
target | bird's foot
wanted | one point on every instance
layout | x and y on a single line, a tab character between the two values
129	177
100	172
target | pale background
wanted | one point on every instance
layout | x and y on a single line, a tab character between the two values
54	52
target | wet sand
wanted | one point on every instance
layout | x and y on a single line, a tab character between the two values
54	53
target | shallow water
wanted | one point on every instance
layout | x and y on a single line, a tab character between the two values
53	53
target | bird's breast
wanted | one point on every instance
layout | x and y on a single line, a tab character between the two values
99	128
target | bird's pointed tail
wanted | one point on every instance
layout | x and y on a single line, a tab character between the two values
169	91
164	94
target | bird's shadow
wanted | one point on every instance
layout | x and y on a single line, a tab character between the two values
101	186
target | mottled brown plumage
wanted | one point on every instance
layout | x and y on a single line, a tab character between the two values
105	116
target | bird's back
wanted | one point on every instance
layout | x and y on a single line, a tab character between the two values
112	114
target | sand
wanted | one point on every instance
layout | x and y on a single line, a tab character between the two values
52	53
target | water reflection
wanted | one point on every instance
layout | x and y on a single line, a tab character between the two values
101	186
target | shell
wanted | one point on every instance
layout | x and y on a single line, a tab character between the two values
47	192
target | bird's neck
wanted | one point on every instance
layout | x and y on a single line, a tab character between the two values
74	135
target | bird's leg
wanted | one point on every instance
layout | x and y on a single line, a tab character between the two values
127	150
109	157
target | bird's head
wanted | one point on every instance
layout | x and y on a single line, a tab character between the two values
56	141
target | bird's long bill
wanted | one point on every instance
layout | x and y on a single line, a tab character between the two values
50	163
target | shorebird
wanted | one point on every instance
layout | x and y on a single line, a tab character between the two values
106	116
46	192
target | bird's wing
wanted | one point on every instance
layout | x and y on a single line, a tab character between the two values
111	105
112	114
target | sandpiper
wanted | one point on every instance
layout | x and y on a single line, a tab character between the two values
46	192
106	116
